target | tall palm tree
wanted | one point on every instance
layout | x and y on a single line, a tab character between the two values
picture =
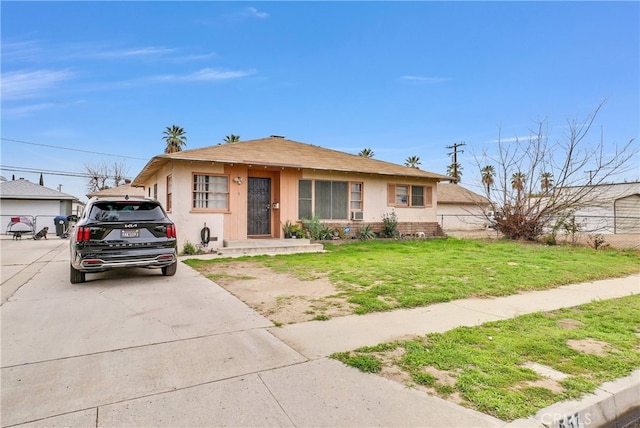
231	139
413	162
488	173
175	138
366	153
546	181
517	182
455	170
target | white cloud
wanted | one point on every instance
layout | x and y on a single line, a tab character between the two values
134	52
254	12
204	75
20	51
427	79
30	84
26	110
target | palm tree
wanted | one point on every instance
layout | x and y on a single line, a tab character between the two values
455	170
231	139
412	161
517	182
175	138
546	181
488	173
366	153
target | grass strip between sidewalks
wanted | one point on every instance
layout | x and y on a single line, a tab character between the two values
486	367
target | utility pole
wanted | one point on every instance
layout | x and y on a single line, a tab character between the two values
455	165
590	172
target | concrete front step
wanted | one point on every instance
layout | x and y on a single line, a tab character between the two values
268	246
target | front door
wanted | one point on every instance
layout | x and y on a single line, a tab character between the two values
259	206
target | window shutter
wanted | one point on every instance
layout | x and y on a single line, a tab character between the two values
428	196
391	194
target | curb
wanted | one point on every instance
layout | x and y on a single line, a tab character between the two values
614	404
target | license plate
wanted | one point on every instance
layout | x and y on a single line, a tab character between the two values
130	233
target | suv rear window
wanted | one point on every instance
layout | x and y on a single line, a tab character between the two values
126	211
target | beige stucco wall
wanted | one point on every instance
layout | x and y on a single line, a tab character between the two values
374	196
461	217
232	224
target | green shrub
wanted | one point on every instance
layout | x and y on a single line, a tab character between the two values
316	230
189	248
365	233
390	225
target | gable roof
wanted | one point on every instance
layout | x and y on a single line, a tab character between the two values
280	152
24	189
449	193
125	189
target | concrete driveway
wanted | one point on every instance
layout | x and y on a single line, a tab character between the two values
135	348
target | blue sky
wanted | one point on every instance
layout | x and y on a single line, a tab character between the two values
402	78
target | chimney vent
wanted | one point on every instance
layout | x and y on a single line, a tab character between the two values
276	136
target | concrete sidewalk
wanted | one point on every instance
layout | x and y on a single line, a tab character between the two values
139	349
317	339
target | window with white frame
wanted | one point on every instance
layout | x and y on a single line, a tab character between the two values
356	197
210	192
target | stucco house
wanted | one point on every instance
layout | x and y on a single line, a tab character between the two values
249	189
27	206
460	208
117	191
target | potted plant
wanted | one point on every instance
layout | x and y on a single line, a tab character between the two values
297	231
288	229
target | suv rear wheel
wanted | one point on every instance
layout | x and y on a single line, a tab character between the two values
170	270
76	276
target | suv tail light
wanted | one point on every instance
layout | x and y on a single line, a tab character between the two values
82	234
171	231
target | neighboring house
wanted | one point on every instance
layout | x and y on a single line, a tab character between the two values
460	208
613	208
124	190
26	206
249	189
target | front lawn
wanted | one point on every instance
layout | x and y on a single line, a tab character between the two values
385	275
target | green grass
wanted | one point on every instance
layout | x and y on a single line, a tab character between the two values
486	362
385	275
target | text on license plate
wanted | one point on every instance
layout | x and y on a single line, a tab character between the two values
130	233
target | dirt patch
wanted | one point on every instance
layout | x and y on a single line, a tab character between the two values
569	324
282	298
549	384
589	346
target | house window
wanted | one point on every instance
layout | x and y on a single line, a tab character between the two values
356	197
327	200
405	195
155	191
169	191
210	192
305	199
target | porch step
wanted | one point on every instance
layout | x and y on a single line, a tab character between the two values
268	246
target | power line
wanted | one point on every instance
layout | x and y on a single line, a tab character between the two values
43	171
46	171
69	148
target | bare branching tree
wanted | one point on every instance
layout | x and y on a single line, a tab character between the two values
119	171
538	185
100	175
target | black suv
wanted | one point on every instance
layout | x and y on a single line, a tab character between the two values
123	232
